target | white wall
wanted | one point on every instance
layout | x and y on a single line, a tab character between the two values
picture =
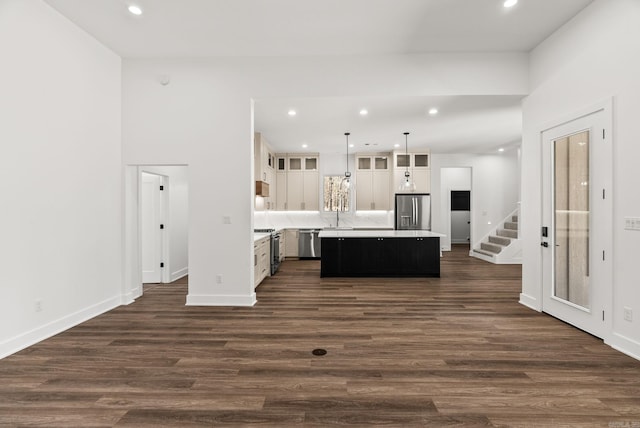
60	175
594	57
203	118
178	222
494	190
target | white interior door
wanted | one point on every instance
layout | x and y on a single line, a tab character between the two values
577	223
151	213
460	207
460	227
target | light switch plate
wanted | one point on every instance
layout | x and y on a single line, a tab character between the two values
632	223
628	314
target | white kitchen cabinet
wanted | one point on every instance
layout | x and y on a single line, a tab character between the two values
291	237
298	174
364	190
373	182
419	166
310	191
270	201
281	195
264	170
422	178
261	259
295	191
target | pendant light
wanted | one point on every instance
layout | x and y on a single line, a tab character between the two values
346	181
407	184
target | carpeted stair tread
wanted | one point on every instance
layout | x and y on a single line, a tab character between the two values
508	233
501	240
492	248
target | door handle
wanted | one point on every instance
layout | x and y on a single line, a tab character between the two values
545	244
413	211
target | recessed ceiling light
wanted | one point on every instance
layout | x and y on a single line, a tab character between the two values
510	3
501	150
351	145
364	112
136	10
305	145
292	113
396	145
433	111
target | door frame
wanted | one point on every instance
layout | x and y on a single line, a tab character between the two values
606	183
445	206
132	238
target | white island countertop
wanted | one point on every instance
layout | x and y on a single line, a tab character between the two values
346	233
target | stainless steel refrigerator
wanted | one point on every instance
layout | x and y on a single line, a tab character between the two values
413	211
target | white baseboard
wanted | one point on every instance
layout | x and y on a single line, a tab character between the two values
180	273
128	298
38	334
516	261
221	300
625	345
529	302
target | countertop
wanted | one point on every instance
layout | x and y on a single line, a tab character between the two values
372	233
259	236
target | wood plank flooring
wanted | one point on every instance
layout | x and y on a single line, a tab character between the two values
452	351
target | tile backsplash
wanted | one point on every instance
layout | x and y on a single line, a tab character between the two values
318	219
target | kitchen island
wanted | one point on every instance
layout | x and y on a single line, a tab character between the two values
380	253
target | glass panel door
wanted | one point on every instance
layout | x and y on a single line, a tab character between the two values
571	219
577	222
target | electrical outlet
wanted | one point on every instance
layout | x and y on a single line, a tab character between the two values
38	306
219	279
628	314
226	219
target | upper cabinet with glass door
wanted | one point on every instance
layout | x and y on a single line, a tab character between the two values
303	162
373	181
411	160
419	166
372	162
298	173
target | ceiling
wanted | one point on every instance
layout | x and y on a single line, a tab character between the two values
464	124
206	28
203	28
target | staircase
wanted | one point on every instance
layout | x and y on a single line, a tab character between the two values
501	245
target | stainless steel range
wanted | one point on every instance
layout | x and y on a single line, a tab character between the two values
275	247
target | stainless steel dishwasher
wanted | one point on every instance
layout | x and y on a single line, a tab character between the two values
309	244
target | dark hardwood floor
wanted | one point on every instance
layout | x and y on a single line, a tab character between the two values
452	351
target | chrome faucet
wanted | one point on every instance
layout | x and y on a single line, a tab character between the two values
337	217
